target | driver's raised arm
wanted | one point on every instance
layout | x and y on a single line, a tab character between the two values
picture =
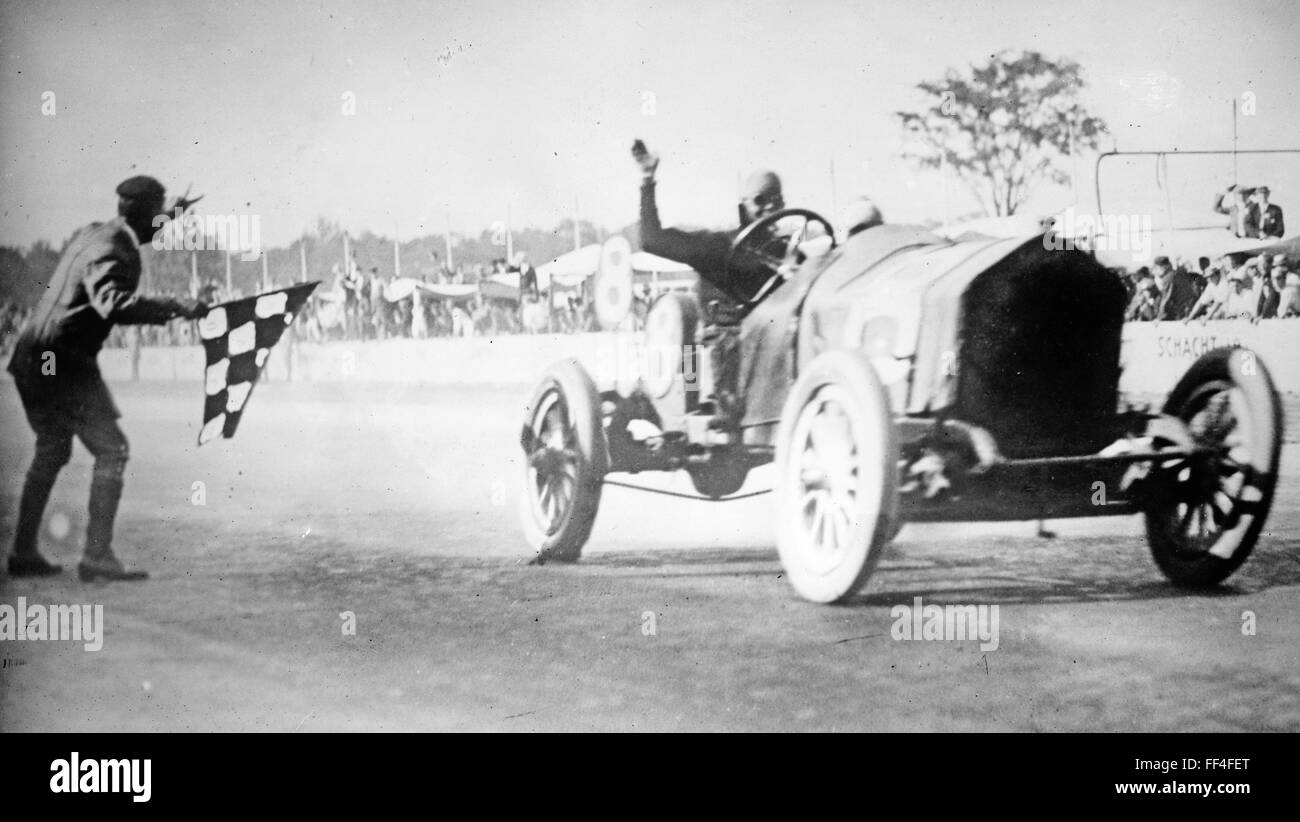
705	251
701	250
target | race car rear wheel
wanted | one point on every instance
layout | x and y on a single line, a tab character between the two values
1205	514
837	488
565	460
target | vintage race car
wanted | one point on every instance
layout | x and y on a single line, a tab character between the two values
904	377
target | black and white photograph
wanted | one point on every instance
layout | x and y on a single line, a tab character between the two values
650	366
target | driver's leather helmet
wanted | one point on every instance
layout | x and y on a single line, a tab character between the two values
760	196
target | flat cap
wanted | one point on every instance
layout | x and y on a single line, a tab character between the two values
141	188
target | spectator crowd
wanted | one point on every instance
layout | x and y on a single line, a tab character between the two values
366	305
1263	287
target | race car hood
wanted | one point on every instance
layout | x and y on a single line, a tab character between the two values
896	291
1009	334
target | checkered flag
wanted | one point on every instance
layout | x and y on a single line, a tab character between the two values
237	339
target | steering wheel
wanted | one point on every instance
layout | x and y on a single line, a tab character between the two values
779	252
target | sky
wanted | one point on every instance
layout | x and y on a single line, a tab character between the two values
476	112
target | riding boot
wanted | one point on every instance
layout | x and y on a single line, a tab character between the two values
36	493
26	560
105	493
100	562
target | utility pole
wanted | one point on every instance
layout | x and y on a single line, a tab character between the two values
510	241
1233	101
577	230
943	180
450	264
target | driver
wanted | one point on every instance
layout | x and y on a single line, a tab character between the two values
722	296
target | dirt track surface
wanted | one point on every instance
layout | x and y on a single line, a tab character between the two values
398	506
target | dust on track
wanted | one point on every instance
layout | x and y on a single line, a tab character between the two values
397	504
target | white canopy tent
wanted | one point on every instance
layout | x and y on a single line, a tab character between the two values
644	261
570	269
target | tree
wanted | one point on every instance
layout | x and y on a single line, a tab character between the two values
1003	126
16	284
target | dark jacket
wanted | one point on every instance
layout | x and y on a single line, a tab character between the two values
1268	224
704	251
92	289
1180	295
1269	299
528	282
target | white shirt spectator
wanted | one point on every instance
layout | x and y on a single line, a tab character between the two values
1241	303
1214	295
1288	304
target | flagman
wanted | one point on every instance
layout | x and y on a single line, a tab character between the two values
55	370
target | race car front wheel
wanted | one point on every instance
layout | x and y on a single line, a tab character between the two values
565	460
837	488
1205	513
